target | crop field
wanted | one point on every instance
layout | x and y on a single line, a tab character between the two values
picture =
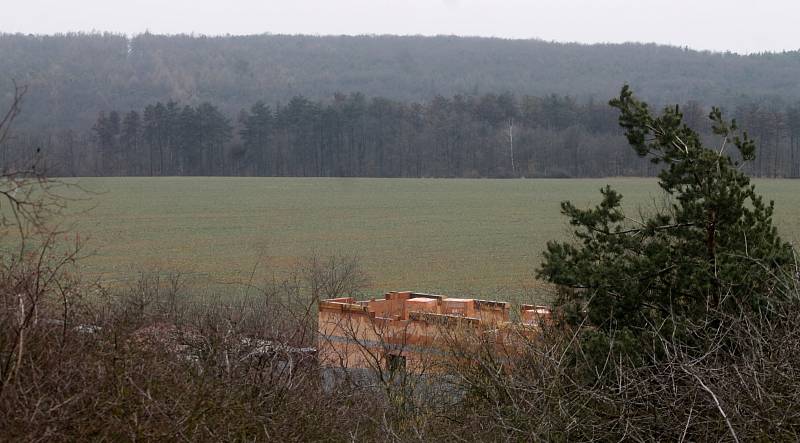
462	237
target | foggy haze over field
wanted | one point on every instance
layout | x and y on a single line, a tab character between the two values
717	25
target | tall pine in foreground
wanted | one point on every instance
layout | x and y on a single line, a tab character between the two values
711	251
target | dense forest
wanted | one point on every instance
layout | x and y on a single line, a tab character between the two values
352	135
106	104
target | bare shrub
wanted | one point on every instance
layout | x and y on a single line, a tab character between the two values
242	369
541	391
334	276
215	372
80	362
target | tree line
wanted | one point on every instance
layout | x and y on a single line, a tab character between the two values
162	139
71	77
351	135
370	105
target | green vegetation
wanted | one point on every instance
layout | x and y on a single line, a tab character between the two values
452	236
712	252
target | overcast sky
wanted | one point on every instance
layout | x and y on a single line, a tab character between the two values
736	25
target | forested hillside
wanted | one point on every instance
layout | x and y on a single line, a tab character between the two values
104	104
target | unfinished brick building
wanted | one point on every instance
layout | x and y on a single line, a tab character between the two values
415	332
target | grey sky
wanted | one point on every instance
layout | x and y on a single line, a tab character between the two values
740	26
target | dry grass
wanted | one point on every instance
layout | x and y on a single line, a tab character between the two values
148	362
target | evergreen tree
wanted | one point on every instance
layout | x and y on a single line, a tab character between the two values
215	131
189	140
255	133
106	130
150	134
172	133
129	139
712	251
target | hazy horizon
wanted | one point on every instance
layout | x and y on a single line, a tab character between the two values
712	25
565	42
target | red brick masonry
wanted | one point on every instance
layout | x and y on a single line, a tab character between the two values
415	330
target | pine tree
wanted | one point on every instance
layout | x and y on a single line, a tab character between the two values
130	135
215	131
189	140
256	132
713	250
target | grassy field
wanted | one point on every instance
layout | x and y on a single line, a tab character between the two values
478	237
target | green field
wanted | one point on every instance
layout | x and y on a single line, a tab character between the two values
479	237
